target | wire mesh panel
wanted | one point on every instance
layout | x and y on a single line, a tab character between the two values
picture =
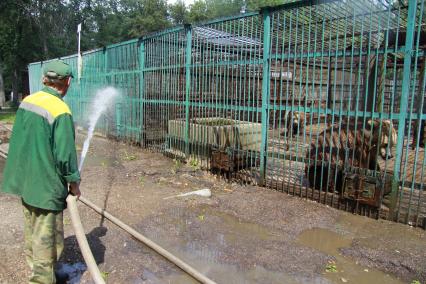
92	79
35	73
164	90
225	96
123	72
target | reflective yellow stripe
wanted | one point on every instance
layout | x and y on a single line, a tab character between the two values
52	104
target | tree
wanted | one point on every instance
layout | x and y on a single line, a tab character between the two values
34	30
17	32
223	8
2	92
147	17
198	12
203	10
178	13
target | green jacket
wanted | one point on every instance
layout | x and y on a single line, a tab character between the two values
42	157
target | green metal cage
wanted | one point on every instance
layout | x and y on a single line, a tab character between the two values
320	99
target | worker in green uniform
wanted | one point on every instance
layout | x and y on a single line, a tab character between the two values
42	169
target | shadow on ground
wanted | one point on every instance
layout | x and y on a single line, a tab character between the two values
72	253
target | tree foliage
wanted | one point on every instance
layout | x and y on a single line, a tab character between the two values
34	30
178	13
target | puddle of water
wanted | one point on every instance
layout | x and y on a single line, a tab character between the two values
218	272
75	271
324	240
399	236
230	275
347	270
150	277
210	251
236	228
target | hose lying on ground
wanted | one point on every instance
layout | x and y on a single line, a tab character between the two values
184	266
87	253
82	240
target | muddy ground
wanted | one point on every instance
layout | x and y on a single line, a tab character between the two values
242	234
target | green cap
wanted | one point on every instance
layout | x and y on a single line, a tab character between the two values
57	69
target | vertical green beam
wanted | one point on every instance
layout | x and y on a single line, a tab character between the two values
187	84
412	4
105	52
141	91
265	92
105	82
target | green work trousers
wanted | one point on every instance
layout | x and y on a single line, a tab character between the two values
44	242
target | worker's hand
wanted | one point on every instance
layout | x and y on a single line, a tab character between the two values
74	189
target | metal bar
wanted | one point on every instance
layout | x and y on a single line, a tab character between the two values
412	5
141	91
341	53
319	106
265	92
188	53
295	46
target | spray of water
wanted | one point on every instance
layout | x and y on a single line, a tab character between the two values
103	99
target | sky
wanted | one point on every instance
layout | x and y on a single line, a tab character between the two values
187	2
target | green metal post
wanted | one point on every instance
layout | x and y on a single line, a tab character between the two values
265	92
109	77
104	79
105	52
412	4
141	92
188	84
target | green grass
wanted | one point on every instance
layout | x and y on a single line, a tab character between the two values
331	267
7	117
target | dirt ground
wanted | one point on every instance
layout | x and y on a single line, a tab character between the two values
241	234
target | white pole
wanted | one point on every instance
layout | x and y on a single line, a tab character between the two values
79	60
